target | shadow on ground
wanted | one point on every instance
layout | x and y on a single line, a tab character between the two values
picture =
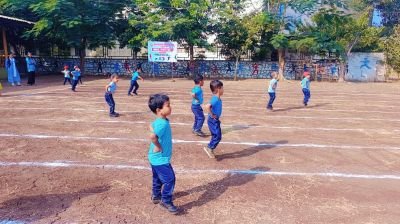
35	208
237	127
300	107
214	190
250	151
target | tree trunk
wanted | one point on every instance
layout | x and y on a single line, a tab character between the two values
82	55
236	68
191	59
342	71
281	56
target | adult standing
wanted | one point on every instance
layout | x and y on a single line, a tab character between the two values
12	71
31	66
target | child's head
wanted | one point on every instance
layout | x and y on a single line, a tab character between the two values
217	87
114	78
274	75
76	68
29	54
138	69
66	67
199	80
159	104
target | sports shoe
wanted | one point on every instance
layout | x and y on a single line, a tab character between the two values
114	115
155	200
270	108
135	93
199	133
130	94
209	152
170	207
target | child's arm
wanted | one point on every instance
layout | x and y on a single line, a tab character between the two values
107	86
208	108
154	139
140	77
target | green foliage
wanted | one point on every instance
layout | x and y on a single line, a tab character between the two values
392	49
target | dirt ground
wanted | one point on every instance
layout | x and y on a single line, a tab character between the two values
63	160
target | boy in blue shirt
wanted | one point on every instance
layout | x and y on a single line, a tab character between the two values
160	153
215	110
271	90
75	79
31	68
110	90
305	85
134	83
197	95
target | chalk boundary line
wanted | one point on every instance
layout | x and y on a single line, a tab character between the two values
202	171
180	141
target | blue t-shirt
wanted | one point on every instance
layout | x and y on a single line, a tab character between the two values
76	75
305	83
31	64
162	129
112	87
216	105
135	76
198	92
271	85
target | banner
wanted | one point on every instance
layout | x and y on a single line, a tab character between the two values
162	51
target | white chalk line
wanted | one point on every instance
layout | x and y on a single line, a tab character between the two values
187	105
363	130
224	115
202	171
180	141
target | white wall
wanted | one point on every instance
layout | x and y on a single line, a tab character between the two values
366	67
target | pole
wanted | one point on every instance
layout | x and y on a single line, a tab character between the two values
5	41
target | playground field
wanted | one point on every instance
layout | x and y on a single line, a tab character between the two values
64	160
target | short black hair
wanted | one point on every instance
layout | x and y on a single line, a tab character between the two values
157	101
198	79
215	84
113	76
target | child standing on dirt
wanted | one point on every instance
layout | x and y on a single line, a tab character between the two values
305	85
134	84
110	90
67	75
197	100
75	79
271	90
215	110
160	153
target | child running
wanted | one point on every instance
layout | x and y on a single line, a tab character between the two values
305	85
110	90
76	74
134	83
214	109
197	95
160	153
67	75
271	90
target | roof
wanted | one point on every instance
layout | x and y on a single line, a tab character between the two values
11	21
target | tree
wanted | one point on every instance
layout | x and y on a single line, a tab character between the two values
392	49
187	22
76	23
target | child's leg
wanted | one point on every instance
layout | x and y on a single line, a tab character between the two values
199	118
166	175
112	103
195	117
216	135
136	87
131	87
74	83
109	101
157	184
69	80
271	100
80	79
65	81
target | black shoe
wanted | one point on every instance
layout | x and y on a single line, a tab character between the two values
155	200
170	207
114	115
270	108
135	93
199	133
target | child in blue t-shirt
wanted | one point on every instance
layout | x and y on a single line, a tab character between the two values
75	79
67	75
160	153
215	110
305	85
197	100
110	90
272	90
134	84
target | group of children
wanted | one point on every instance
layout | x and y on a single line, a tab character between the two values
160	150
76	76
273	84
